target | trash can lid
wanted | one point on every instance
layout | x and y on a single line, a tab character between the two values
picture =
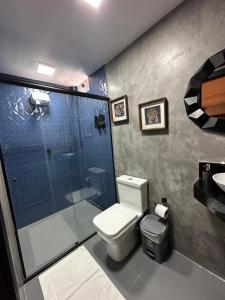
153	225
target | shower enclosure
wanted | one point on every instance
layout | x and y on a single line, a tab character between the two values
58	167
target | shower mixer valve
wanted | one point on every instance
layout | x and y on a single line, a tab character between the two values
100	121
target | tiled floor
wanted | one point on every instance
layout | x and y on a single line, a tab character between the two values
139	277
142	278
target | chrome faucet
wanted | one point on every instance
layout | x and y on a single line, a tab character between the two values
207	167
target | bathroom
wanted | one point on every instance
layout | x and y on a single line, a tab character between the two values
62	160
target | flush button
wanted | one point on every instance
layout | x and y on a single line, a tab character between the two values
130	178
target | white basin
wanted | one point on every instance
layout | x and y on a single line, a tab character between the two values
219	179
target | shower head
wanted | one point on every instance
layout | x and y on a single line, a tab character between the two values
39	99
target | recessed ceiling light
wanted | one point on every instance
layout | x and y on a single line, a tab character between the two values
45	69
94	3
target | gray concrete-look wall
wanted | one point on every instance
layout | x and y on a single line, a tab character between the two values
159	64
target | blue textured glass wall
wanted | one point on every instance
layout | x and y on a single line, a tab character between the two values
96	143
97	150
98	83
40	171
59	168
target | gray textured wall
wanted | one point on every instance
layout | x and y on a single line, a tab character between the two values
160	64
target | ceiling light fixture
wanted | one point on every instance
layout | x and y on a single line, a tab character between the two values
45	69
94	3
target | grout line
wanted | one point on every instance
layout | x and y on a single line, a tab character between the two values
195	263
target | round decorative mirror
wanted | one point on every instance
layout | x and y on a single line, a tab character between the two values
205	96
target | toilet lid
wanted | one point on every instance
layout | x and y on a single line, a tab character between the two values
114	220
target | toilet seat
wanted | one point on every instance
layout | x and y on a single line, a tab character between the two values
114	220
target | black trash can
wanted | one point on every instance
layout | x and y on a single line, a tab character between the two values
154	233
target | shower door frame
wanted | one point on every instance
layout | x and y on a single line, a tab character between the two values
51	87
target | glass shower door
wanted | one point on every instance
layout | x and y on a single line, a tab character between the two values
97	172
41	159
59	171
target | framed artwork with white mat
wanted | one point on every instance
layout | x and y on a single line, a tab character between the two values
119	110
153	115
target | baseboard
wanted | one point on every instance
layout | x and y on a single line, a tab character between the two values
195	263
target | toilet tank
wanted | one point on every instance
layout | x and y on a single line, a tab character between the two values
132	192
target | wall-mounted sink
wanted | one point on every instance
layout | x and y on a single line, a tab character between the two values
219	179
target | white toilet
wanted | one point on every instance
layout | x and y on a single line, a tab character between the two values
117	224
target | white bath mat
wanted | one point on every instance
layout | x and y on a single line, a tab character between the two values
78	277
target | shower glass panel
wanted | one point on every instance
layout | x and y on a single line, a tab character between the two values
59	170
97	173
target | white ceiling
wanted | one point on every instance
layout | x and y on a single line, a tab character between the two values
70	34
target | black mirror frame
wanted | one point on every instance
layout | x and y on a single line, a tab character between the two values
192	98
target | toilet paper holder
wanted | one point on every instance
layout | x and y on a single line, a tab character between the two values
164	202
167	211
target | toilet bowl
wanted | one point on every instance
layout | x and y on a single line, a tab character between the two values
117	225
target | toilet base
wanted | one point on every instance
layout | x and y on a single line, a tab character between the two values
120	249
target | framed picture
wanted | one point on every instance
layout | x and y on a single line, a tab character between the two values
153	115
119	110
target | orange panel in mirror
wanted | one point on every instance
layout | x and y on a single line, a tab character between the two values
213	97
